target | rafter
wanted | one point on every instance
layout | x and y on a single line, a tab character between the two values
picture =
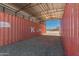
22	8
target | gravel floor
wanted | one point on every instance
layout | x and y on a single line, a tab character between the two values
38	46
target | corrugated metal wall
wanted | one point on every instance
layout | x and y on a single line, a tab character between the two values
14	28
43	28
70	29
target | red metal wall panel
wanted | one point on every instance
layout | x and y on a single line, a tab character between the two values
16	32
6	30
21	27
18	29
37	27
27	35
70	29
43	27
3	30
13	29
10	29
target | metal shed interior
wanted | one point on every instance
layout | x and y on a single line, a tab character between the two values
42	10
23	29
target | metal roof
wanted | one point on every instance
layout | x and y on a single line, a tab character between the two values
47	10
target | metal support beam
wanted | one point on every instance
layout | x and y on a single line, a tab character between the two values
52	12
31	6
22	8
4	9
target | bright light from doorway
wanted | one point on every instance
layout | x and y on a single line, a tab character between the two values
52	24
53	27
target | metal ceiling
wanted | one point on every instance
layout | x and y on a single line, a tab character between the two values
47	10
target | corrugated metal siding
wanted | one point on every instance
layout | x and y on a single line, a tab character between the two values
70	29
20	29
43	27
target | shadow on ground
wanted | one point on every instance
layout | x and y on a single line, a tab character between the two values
37	46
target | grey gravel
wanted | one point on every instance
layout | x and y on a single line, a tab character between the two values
37	46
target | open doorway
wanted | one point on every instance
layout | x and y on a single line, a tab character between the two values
53	27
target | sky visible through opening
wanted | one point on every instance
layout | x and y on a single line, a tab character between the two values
52	24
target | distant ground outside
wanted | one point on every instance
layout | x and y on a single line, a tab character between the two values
52	27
